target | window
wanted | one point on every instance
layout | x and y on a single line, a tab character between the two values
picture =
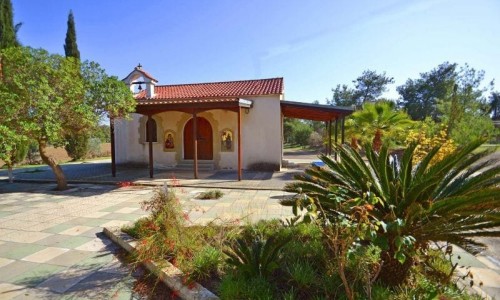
151	135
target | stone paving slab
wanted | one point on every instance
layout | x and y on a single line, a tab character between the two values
52	246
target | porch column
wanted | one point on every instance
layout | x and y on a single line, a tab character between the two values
150	145
336	134
343	131
329	152
112	136
327	130
195	145
240	172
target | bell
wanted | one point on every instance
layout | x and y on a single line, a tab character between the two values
139	88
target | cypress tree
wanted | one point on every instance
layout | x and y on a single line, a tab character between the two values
70	47
8	36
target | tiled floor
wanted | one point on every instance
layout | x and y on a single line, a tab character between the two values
52	246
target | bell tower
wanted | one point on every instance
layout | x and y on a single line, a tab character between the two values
139	80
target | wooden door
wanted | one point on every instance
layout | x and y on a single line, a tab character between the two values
205	139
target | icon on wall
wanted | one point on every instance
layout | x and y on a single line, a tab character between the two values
226	140
169	140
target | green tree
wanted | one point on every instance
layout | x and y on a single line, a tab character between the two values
408	206
49	96
70	46
367	88
77	144
495	106
419	96
377	122
13	146
8	31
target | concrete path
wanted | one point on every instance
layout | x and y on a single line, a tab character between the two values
52	246
99	172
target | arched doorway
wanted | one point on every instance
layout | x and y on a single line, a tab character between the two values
205	139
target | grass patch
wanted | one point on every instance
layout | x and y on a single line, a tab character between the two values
210	195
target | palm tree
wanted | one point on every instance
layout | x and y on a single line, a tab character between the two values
453	200
376	121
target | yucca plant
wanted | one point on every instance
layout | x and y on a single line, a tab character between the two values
257	258
452	200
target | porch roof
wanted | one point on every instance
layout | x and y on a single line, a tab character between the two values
149	107
315	112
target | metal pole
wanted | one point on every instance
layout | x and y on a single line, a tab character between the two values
240	172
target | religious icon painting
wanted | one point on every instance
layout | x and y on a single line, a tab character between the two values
226	140
169	141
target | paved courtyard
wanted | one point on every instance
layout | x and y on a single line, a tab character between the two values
52	246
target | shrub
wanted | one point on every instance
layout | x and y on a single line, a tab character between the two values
315	140
77	146
428	137
404	207
256	258
94	147
211	194
205	263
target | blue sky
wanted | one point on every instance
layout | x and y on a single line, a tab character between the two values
314	45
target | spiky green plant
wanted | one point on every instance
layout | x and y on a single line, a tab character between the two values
453	200
257	258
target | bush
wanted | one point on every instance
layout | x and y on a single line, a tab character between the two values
402	207
428	137
302	133
94	147
211	194
206	263
77	146
315	140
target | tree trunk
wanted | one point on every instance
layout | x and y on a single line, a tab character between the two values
393	273
58	172
10	173
377	141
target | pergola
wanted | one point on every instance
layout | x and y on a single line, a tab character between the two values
290	109
319	112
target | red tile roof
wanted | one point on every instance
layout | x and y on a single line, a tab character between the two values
271	86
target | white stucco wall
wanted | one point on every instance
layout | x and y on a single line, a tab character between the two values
261	130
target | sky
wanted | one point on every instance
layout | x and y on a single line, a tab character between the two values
314	45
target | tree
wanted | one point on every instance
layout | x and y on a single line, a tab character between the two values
495	106
376	122
8	30
408	205
70	46
49	96
77	144
13	146
343	96
367	88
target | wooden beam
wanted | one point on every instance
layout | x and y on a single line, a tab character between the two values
150	145
336	135
195	144
113	152
343	131
329	138
240	172
326	132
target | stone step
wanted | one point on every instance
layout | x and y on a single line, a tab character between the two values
203	165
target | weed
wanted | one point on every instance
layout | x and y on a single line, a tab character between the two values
210	195
205	263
